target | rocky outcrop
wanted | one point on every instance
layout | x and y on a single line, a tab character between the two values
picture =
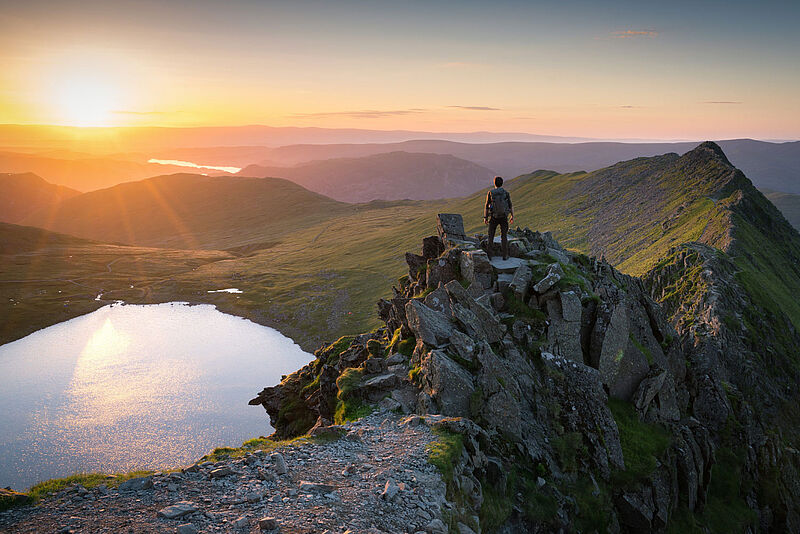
552	365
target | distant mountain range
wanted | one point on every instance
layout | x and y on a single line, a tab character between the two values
393	175
22	194
132	139
788	203
773	166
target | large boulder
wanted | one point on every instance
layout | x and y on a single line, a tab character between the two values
448	384
428	326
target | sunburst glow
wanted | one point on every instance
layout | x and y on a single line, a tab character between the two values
86	101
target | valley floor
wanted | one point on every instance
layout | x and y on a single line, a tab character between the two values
374	478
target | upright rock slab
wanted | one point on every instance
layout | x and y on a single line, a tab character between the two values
450	226
622	366
564	333
521	282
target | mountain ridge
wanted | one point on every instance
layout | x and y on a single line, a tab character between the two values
385	176
23	193
188	211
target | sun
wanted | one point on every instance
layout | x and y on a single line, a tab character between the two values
86	100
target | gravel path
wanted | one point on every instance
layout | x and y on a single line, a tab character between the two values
376	478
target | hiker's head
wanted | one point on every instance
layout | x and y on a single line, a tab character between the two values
498	181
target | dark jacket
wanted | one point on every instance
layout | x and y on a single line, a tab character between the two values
487	210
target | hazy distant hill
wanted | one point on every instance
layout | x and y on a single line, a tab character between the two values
189	211
392	176
81	173
770	165
146	138
788	203
15	239
22	194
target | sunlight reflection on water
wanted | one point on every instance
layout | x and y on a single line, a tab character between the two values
180	163
130	387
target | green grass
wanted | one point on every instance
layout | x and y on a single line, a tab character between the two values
87	480
642	443
726	509
569	449
445	451
351	410
348	406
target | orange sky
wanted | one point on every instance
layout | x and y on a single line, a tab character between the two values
568	68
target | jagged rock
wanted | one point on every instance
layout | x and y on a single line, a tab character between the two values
315	487
521	282
636	509
438	300
388	404
432	247
436	526
649	387
179	509
485	323
279	463
621	364
390	490
241	523
463	345
543	285
221	472
564	333
137	484
448	384
476	268
267	524
428	326
186	528
381	383
443	269
416	266
395	359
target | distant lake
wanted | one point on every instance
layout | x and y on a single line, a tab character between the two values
129	387
180	163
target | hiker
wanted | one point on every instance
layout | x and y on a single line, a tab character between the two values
498	212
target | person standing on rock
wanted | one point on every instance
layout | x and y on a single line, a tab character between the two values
498	212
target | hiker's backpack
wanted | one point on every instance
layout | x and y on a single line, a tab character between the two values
500	202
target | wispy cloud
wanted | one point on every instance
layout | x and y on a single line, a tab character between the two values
362	113
629	107
476	108
722	102
634	34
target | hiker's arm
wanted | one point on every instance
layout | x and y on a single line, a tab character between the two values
487	206
510	210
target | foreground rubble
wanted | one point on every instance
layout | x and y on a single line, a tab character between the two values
371	475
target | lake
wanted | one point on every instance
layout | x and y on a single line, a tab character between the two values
129	387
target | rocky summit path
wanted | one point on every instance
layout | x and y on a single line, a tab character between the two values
374	478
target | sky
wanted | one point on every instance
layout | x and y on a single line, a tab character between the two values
615	69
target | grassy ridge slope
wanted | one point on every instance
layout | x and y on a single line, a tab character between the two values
189	211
